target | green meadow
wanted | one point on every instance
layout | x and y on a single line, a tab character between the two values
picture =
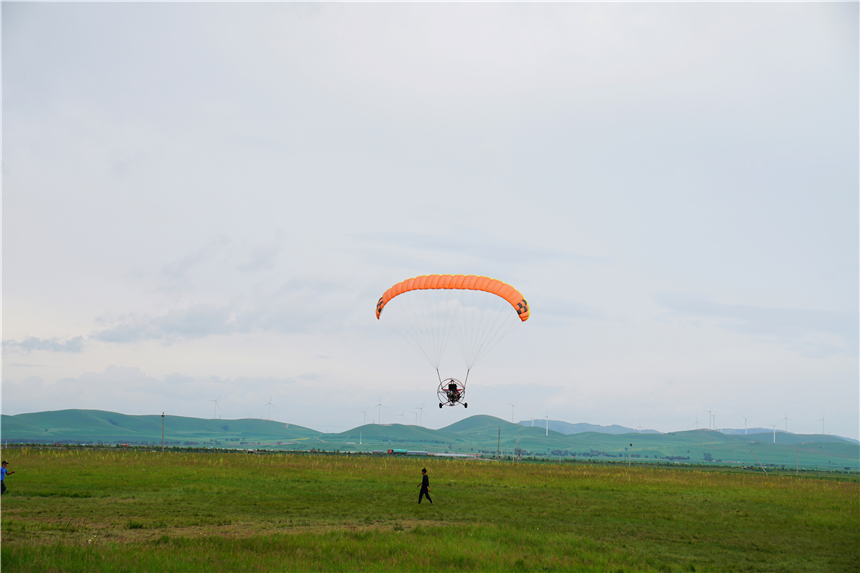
113	510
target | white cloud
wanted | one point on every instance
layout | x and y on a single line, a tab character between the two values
817	333
179	268
30	344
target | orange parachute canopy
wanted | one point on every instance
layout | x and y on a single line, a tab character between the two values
458	282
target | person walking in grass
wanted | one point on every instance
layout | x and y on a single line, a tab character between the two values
425	487
4	472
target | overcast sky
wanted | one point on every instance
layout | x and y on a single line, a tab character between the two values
205	201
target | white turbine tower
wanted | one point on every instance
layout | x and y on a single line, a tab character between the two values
745	422
786	420
512	411
379	407
402	416
822	424
365	416
709	418
547	421
639	427
215	415
774	432
421	413
269	404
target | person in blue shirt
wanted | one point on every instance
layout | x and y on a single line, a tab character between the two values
3	473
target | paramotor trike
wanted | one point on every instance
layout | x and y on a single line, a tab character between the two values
451	392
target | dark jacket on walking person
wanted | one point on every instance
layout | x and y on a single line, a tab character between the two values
425	487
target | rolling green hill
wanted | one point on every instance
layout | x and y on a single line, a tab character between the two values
96	426
476	435
568	428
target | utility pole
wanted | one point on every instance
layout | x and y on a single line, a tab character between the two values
629	452
162	431
759	463
499	446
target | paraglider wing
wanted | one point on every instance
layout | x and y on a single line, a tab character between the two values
479	310
458	282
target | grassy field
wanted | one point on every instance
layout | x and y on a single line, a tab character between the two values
144	511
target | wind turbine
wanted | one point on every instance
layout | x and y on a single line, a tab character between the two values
822	423
697	421
269	404
547	421
380	407
416	416
774	432
639	427
786	419
715	420
402	415
421	410
215	415
745	422
512	411
709	418
365	415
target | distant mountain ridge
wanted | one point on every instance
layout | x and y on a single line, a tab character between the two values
112	427
567	429
479	435
101	425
